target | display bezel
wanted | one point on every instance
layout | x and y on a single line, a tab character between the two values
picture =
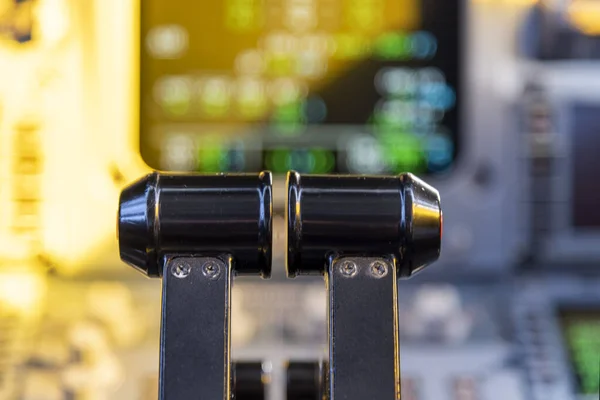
567	84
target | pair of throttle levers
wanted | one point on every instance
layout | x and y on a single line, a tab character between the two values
361	233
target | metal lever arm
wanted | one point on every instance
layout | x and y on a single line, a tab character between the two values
363	234
192	231
363	329
195	360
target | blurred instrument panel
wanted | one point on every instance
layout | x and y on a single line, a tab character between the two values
319	86
495	102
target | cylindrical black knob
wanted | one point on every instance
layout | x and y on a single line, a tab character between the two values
304	380
248	381
164	214
398	216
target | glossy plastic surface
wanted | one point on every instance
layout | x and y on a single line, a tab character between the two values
328	216
304	380
248	380
163	214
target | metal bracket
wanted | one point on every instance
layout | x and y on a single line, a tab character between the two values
195	340
363	329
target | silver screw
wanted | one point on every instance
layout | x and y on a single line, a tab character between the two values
379	269
348	268
211	270
181	270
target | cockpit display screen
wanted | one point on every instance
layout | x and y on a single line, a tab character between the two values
319	86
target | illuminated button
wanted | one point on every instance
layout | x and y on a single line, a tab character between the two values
179	153
280	50
430	75
324	161
286	90
404	152
210	155
392	46
167	41
364	155
311	65
437	95
233	159
427	115
439	150
288	113
423	45
366	15
396	82
276	160
316	43
280	42
305	160
394	114
300	16
215	96
174	95
243	16
314	109
251	98
301	160
280	64
250	62
288	118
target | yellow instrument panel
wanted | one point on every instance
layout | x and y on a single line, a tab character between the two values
65	65
67	132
